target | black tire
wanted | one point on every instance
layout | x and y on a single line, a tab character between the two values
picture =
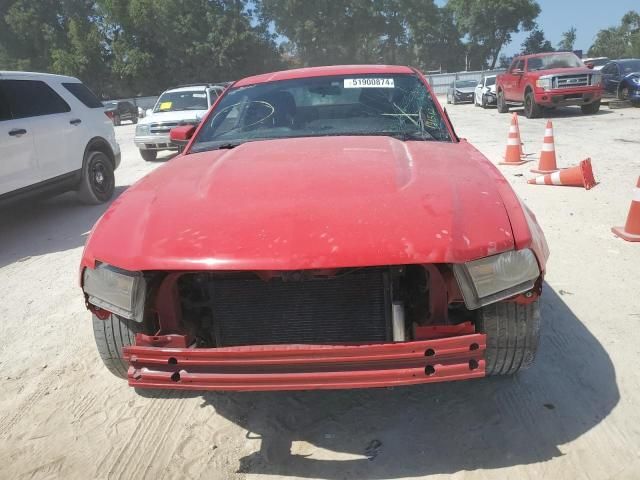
448	100
591	108
454	101
484	101
501	103
111	336
531	108
134	119
513	333
116	120
98	181
148	155
623	93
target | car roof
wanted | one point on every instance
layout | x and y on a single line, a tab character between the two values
36	75
322	72
189	88
626	60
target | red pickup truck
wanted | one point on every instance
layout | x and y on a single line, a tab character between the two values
548	80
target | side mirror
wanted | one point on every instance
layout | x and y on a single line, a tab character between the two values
590	65
181	135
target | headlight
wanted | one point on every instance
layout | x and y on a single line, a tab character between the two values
596	79
142	129
495	278
636	80
116	290
544	83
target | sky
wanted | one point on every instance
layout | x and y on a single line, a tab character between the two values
588	16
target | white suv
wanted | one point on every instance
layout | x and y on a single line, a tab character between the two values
54	137
183	105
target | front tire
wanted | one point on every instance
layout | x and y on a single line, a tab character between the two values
591	108
513	333
148	155
98	180
531	108
502	103
112	335
134	119
484	101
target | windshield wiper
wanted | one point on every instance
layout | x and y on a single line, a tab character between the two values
228	146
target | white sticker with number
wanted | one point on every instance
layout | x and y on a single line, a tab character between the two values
368	83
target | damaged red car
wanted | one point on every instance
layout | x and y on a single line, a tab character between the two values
323	228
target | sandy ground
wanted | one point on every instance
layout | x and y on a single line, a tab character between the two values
574	415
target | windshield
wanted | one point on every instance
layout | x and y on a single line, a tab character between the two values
395	105
489	81
630	67
559	60
182	100
465	83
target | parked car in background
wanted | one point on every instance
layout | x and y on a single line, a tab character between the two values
549	80
183	105
621	79
119	111
54	137
460	91
596	62
324	228
485	92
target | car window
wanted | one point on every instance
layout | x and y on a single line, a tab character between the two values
393	105
5	111
490	81
515	65
182	100
82	93
32	98
465	83
630	67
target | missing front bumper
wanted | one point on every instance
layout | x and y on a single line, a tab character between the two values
307	367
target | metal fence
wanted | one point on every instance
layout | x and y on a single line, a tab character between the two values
142	102
440	81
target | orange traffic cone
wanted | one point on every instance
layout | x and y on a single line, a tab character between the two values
547	162
579	176
631	231
512	154
522	154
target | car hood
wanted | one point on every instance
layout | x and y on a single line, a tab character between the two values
465	89
561	71
308	203
178	116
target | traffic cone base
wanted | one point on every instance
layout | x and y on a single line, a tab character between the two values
547	163
631	231
579	176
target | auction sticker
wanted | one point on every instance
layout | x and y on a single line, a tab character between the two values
368	83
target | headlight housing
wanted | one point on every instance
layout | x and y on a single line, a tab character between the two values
636	80
495	278
142	129
115	290
544	83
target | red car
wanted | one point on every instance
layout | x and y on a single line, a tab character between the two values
324	228
549	80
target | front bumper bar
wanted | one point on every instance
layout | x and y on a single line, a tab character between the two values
307	367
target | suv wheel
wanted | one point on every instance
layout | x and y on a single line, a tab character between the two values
111	336
513	332
501	103
531	108
148	155
591	108
98	181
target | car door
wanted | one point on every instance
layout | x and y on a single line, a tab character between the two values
517	85
58	132
18	165
508	80
611	78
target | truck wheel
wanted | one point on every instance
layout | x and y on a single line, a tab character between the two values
591	108
623	93
134	119
513	331
531	108
148	155
111	336
501	103
98	181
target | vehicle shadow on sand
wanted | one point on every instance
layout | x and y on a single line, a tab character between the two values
40	226
437	428
566	112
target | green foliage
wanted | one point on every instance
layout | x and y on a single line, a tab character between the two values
489	24
568	40
622	41
536	43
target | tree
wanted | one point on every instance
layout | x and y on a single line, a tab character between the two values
490	23
621	41
568	40
536	43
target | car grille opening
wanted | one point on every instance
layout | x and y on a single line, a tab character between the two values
351	306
